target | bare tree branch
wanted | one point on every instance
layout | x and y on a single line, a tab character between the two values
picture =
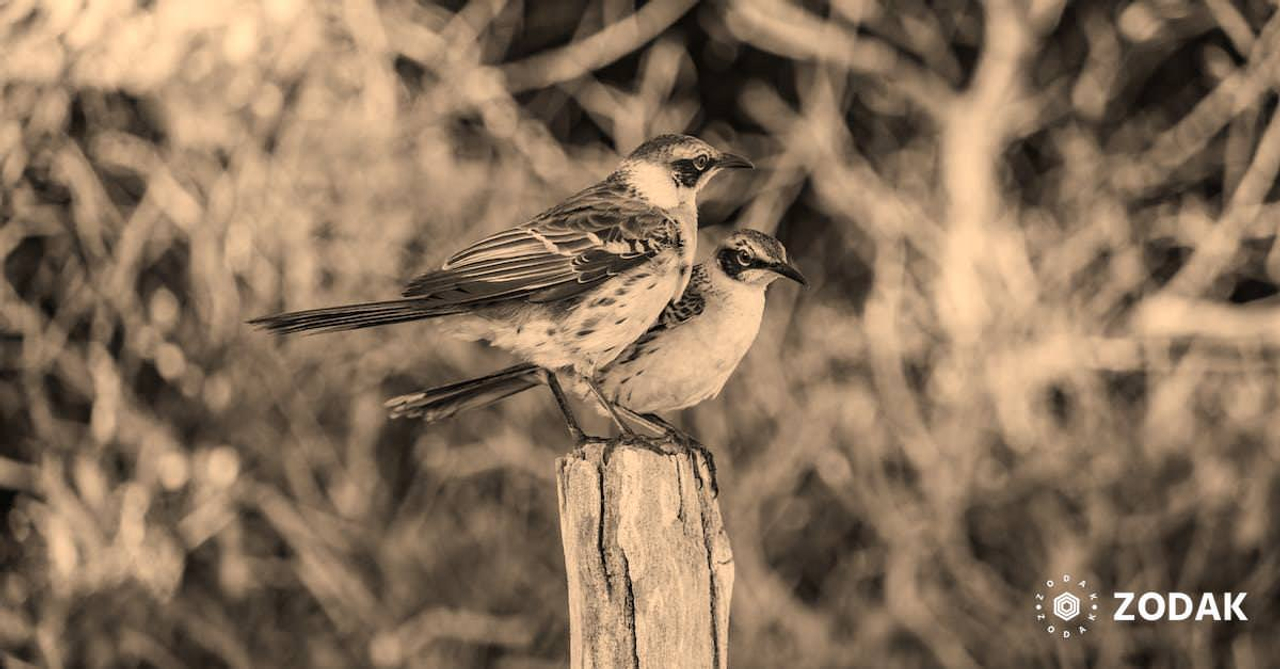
794	32
609	44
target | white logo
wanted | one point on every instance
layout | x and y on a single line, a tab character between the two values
1066	606
1178	606
1068	600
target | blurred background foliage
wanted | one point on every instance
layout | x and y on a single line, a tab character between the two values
1041	337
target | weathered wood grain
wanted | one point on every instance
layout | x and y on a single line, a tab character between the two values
649	565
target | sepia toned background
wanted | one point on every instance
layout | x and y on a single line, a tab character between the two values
1041	336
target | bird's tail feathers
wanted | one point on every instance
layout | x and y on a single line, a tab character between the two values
353	316
442	402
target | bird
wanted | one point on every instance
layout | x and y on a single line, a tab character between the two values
683	359
569	289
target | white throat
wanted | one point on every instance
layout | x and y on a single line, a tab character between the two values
655	185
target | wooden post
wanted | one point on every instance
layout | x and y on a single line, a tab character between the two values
649	565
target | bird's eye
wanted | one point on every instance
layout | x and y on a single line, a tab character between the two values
744	258
701	162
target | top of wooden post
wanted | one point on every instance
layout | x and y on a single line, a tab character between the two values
649	565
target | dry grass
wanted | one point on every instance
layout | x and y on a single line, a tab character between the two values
1031	229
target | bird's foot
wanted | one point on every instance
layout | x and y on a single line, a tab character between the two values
581	439
692	446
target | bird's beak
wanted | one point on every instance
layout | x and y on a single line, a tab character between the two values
788	270
731	161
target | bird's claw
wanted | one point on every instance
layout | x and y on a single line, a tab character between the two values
685	441
691	446
581	438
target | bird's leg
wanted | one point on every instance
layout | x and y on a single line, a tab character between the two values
626	430
628	435
653	421
575	432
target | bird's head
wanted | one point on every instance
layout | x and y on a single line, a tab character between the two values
669	170
755	259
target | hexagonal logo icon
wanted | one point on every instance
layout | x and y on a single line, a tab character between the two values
1066	606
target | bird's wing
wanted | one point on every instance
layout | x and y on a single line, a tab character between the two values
590	237
687	307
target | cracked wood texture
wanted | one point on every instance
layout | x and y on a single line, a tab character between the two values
648	561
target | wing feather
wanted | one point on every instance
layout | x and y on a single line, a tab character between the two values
592	236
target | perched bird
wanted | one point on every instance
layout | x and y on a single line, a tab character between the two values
571	288
683	359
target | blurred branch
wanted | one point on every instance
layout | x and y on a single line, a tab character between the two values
1232	23
1174	316
631	117
203	623
794	32
1161	221
1225	340
16	475
97	215
882	319
482	86
1222	242
983	259
145	647
765	597
1135	175
917	25
468	460
906	597
410	638
585	55
818	142
1095	85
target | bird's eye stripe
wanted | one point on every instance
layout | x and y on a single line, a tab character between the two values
686	172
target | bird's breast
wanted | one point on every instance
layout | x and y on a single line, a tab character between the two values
686	246
688	363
